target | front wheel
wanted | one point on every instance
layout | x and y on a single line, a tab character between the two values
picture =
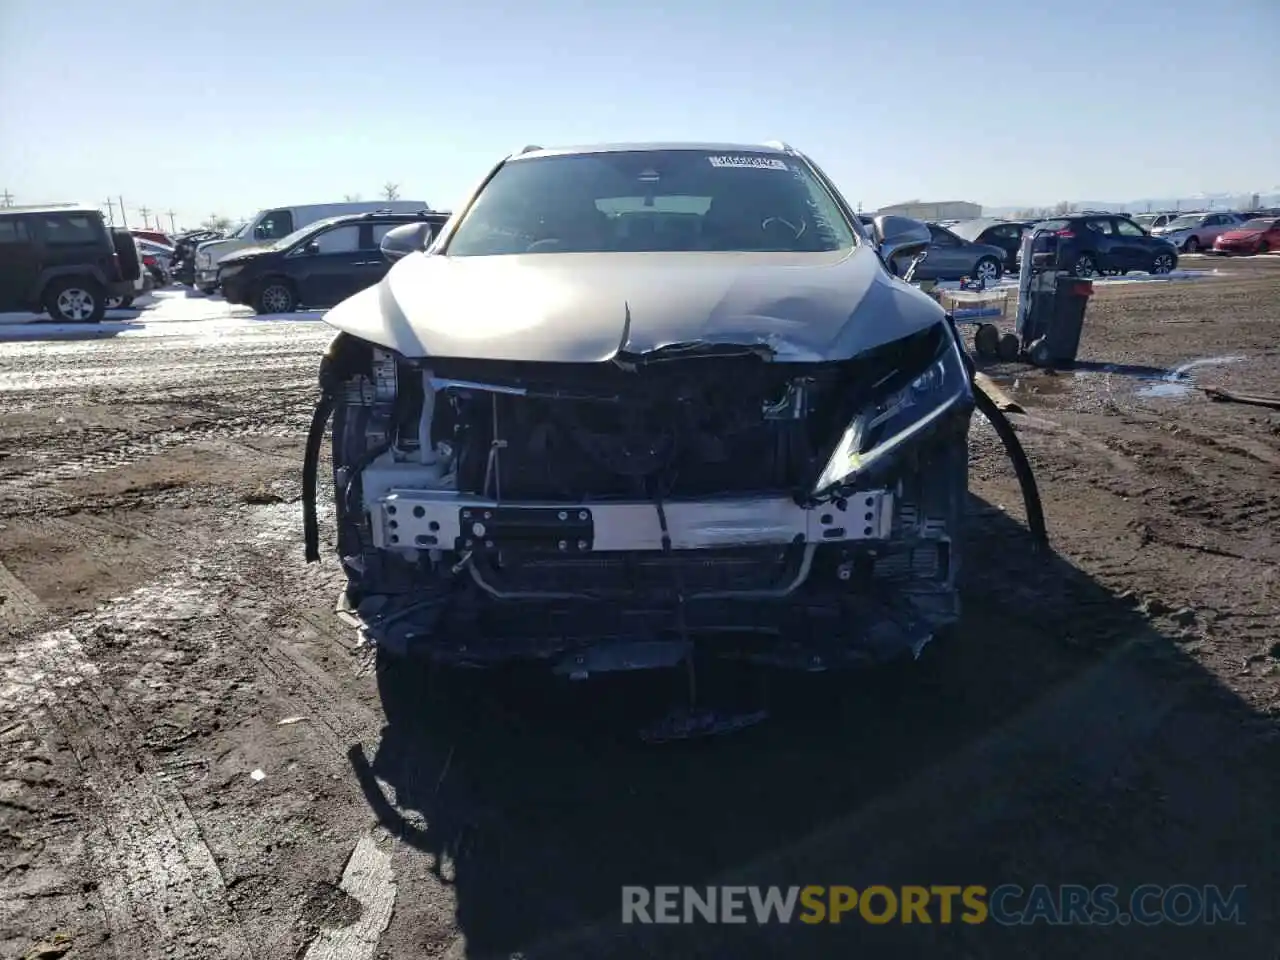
118	303
1192	245
76	301
275	296
1085	266
1264	247
987	270
1164	263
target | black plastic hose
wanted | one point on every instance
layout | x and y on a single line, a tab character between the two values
310	469
1013	447
1021	466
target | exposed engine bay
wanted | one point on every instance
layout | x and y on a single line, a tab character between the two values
794	514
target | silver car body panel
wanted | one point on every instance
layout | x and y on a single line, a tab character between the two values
586	308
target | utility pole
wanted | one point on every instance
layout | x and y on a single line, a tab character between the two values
124	220
146	216
6	198
172	228
111	211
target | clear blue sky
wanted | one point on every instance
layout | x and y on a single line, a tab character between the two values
229	105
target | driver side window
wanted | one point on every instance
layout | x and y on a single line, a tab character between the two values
274	226
941	238
344	239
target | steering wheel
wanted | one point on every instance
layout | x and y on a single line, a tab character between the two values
796	232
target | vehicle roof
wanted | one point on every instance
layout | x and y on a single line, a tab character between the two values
384	215
706	146
375	215
977	224
52	208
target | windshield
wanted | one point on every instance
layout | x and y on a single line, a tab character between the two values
652	201
1262	224
292	238
1146	219
1188	220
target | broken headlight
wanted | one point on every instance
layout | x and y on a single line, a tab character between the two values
885	424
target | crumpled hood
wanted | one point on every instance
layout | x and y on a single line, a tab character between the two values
584	308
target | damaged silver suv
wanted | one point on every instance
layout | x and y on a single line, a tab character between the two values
639	400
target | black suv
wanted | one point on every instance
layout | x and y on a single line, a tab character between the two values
318	266
1105	243
64	260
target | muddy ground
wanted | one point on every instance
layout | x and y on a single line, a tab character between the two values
198	761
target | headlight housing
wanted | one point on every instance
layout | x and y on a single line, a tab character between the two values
885	424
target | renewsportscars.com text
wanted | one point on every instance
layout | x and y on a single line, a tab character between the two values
1006	905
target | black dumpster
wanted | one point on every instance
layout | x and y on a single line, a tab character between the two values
1052	303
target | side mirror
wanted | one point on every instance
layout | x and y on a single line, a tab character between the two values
901	237
402	241
311	247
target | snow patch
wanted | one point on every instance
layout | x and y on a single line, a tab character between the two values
164	313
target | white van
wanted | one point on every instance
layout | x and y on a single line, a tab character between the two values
276	223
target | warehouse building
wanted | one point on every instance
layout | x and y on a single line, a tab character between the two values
941	210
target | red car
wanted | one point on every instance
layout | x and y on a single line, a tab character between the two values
1253	236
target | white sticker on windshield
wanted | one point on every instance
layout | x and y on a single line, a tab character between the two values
752	163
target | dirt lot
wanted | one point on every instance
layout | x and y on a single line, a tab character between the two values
197	760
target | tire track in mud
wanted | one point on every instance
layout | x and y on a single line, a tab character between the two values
75	463
146	373
157	879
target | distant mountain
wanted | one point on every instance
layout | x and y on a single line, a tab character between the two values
1216	201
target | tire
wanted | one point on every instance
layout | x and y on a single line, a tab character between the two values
1085	266
987	269
118	303
1009	347
986	341
127	254
1192	245
1164	263
1264	247
275	295
76	300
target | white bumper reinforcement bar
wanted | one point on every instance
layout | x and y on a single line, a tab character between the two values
445	520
